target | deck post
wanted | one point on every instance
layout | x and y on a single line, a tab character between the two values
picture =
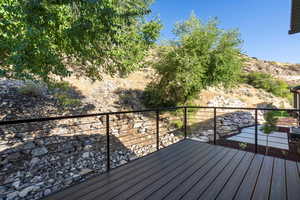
215	125
107	144
157	130
185	122
256	130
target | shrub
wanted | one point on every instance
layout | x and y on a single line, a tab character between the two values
66	100
31	89
203	55
268	83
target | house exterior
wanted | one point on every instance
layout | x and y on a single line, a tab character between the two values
295	17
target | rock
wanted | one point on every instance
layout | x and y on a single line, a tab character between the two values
29	145
86	155
39	151
12	195
87	147
201	139
25	191
47	192
16	184
123	162
14	156
137	125
85	171
34	162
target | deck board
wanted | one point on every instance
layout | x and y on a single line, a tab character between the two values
216	187
293	180
246	188
149	185
193	170
278	186
262	188
232	186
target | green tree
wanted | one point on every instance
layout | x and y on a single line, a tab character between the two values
42	39
202	55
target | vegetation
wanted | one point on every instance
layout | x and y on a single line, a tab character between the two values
66	100
268	83
280	113
202	55
31	89
38	37
269	126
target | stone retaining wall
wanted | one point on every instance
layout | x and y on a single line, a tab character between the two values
38	159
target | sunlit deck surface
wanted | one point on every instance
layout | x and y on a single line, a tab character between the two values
194	170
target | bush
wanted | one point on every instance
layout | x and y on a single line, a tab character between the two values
31	89
66	100
203	55
268	83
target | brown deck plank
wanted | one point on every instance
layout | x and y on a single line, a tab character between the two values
262	188
173	179
162	176
292	180
203	183
110	190
194	170
115	174
246	188
217	185
177	192
278	186
232	186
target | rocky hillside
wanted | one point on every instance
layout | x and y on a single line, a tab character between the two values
38	159
285	71
114	94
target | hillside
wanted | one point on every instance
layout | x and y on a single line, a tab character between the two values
285	71
42	158
114	94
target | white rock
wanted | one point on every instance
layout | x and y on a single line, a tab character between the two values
85	171
39	151
25	191
47	192
16	184
12	195
86	155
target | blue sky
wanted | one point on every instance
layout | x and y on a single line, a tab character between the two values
263	24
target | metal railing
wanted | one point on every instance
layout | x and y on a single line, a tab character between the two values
100	128
157	114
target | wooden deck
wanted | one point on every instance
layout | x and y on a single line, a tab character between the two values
194	170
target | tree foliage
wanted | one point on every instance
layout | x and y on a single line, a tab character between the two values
39	37
201	56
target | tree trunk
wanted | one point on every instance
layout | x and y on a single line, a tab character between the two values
267	146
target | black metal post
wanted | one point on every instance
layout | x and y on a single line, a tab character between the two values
256	130
107	143
157	130
185	122
215	125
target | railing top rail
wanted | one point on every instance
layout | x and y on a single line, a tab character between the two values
245	108
21	121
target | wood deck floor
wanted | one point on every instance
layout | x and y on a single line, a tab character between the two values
194	170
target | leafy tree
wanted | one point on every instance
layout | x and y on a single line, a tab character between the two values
202	55
43	39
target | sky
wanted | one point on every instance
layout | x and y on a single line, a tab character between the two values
263	24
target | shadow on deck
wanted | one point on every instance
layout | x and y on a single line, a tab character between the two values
193	170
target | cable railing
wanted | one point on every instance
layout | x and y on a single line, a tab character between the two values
55	148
